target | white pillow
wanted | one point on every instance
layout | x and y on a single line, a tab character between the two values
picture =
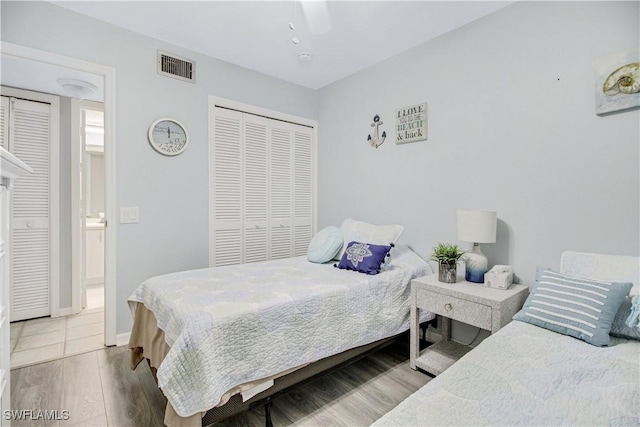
363	232
325	245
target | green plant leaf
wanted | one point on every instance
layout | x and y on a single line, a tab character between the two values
447	253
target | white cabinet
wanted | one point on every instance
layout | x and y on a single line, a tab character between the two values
94	259
11	168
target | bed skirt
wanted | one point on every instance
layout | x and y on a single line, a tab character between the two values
147	342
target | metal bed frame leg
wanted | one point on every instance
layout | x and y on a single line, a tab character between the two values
267	414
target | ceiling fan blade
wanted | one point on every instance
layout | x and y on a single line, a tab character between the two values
316	13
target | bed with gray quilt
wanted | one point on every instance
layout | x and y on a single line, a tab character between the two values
217	332
528	375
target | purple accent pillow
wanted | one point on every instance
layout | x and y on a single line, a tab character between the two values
364	257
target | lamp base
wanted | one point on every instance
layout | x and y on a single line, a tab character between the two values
477	264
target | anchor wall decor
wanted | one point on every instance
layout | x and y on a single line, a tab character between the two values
376	140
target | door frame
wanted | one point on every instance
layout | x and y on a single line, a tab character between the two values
78	156
54	188
109	76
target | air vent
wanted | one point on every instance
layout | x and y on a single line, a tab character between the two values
174	66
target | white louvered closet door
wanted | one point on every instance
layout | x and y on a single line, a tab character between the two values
29	140
4	123
256	188
302	189
281	186
226	209
261	188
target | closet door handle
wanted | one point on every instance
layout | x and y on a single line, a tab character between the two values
31	224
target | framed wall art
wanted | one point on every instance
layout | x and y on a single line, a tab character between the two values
617	82
411	123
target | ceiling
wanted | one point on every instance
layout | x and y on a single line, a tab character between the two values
41	77
256	34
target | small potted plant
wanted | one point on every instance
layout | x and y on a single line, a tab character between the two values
447	256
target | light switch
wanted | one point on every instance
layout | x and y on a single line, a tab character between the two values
129	215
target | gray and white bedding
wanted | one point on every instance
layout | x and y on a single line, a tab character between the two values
232	325
527	375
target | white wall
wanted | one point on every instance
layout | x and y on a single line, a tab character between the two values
512	128
171	192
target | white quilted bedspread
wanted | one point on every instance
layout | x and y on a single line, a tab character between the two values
231	325
527	376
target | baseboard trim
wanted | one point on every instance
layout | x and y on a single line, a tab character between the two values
433	336
95	281
66	311
123	339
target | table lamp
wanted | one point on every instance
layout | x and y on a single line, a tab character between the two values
477	227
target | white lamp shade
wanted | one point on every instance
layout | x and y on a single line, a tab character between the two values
477	226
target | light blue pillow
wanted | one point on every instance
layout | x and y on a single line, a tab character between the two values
580	308
325	245
619	327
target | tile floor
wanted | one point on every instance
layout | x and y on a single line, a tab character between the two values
95	296
44	339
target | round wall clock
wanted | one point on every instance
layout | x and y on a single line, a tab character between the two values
168	137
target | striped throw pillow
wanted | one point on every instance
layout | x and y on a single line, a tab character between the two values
581	308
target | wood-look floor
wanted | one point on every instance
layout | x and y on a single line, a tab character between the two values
99	389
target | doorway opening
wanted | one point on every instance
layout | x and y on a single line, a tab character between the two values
92	203
39	128
73	306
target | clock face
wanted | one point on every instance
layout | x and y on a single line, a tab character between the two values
168	137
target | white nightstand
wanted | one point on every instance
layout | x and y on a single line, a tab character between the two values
472	303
